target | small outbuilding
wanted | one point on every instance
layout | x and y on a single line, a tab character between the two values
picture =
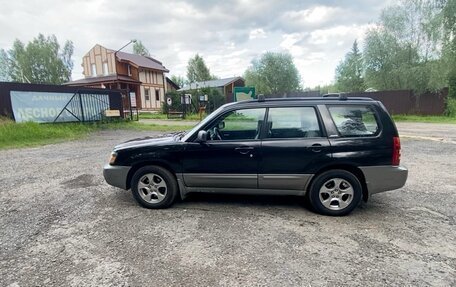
224	86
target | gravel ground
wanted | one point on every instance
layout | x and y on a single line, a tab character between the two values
61	225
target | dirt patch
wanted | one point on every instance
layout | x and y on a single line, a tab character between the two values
81	181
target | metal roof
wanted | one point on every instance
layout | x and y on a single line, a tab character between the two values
103	79
210	84
176	86
142	61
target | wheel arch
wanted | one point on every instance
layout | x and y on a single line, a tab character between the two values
141	164
347	167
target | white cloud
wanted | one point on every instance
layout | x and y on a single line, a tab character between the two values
334	34
291	44
314	15
257	34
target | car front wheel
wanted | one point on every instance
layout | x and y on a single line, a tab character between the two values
154	187
335	192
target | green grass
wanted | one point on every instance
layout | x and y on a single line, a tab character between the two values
159	128
16	135
425	119
154	116
160	116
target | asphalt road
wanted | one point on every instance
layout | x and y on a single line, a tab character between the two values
61	225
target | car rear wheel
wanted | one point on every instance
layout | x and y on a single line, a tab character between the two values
154	187
335	192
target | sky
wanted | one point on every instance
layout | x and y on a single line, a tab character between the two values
228	34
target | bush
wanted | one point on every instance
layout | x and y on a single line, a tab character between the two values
176	104
450	109
215	98
452	87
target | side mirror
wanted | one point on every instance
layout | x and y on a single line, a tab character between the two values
202	137
221	125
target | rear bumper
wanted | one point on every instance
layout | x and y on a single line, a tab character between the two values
384	178
116	175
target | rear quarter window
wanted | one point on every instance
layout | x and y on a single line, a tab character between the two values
354	120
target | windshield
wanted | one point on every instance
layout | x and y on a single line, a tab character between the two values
202	123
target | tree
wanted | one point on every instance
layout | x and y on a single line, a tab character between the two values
4	66
41	61
140	49
273	74
449	24
349	73
325	89
403	51
179	80
449	51
197	71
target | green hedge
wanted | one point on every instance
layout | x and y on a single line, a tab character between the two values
215	99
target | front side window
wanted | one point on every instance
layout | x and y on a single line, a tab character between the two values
242	124
293	122
354	121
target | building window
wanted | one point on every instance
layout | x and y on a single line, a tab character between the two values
157	95
94	70
105	68
146	96
129	70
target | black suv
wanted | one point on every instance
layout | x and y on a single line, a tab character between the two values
334	150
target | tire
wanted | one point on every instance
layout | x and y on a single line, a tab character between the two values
154	187
335	192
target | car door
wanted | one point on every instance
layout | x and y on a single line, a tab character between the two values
293	148
230	156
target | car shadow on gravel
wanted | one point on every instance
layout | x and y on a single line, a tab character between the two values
375	207
211	201
244	199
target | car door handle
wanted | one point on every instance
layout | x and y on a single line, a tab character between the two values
316	147
244	149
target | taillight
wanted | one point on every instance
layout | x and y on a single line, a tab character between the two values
396	151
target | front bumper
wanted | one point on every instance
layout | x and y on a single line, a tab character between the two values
116	175
384	178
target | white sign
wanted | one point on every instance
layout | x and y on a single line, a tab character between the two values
112	113
40	107
133	99
186	99
47	107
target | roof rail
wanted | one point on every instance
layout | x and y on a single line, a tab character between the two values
320	98
341	96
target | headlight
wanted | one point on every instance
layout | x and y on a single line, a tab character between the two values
113	157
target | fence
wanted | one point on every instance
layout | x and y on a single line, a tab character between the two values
397	102
406	102
52	103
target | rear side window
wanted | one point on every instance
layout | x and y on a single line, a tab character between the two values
293	122
354	121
